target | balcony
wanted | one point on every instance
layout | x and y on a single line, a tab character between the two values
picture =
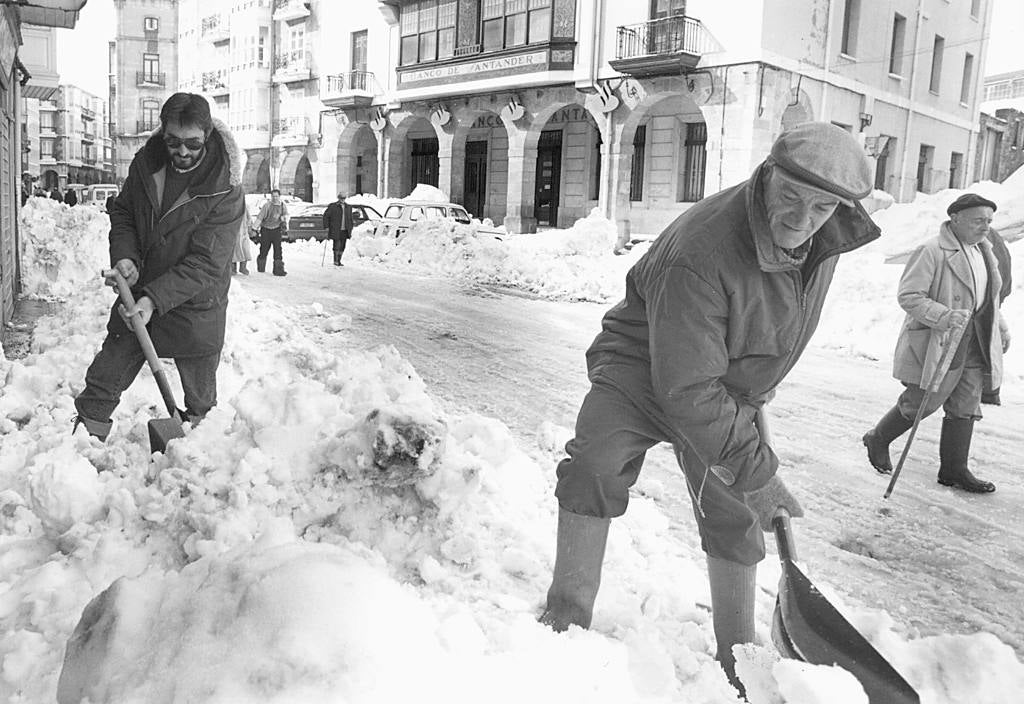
291	132
215	82
214	29
145	78
88	135
88	113
290	10
292	66
662	47
347	90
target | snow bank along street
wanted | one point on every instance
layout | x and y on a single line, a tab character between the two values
328	534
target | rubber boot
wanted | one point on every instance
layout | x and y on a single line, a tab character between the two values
243	268
877	440
261	264
279	268
97	428
234	268
954	447
577	575
337	259
732	611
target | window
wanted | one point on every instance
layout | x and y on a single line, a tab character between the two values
924	167
151	24
261	47
151	67
965	82
150	114
47	120
937	48
297	40
636	171
667	8
508	23
851	18
899	32
359	48
428	31
691	182
975	8
46	148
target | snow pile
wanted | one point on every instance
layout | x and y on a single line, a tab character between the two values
62	247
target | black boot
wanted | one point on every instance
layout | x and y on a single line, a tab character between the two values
261	264
337	259
279	268
954	447
877	440
732	611
577	575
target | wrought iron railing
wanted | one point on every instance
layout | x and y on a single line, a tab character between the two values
340	84
669	35
294	60
147	78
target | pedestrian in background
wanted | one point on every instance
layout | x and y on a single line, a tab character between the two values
338	223
715	315
990	394
71	197
56	195
272	223
950	281
243	249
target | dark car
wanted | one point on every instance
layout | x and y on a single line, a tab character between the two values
308	222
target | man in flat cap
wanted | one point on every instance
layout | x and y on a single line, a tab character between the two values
715	315
950	282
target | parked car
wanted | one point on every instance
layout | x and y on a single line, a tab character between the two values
97	195
308	222
401	215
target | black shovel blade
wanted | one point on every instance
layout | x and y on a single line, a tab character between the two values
162	431
820	635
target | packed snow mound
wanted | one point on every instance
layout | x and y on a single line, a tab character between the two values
424	191
576	263
62	247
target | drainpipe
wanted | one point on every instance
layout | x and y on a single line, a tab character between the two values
827	62
910	104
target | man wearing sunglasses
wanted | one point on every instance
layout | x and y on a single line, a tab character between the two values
172	233
715	315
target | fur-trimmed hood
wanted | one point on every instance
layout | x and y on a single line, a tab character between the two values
221	146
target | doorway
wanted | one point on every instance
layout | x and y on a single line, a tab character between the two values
476	178
424	162
549	174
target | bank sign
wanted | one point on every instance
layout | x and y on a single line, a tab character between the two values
470	70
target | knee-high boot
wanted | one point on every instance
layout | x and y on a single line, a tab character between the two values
954	447
732	610
877	440
577	575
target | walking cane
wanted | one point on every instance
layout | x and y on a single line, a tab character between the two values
323	258
948	350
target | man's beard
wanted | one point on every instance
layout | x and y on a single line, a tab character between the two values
187	163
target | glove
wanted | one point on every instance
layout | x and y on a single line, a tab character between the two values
768	499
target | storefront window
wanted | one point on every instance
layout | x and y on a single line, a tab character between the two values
510	23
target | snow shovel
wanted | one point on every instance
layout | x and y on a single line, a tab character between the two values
161	430
806	627
949	348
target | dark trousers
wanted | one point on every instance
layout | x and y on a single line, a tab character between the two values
605	458
118	363
270	237
339	242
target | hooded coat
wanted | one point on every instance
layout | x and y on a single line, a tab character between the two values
183	256
937	279
715	315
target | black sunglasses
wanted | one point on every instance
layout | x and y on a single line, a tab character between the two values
192	143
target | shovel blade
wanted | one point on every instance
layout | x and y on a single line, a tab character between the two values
162	431
820	635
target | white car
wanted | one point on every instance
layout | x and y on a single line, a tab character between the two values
403	214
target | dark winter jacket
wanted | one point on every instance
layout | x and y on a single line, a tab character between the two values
71	198
338	220
55	195
715	315
184	256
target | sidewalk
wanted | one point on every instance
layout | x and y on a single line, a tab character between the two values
16	336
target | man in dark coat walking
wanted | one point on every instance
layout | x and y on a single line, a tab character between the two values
172	231
715	315
55	194
338	223
71	197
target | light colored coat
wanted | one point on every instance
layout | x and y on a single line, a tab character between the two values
937	279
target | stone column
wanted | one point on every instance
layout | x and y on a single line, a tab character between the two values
522	176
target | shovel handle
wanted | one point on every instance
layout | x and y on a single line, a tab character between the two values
147	346
780	521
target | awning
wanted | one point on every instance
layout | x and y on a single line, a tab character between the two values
48	13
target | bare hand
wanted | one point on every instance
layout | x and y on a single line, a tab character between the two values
127	269
958	318
142	311
1006	340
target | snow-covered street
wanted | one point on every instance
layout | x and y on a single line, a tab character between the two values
270	559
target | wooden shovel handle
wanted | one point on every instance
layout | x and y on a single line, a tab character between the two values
147	346
780	521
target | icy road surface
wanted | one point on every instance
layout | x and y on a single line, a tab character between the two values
936	559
